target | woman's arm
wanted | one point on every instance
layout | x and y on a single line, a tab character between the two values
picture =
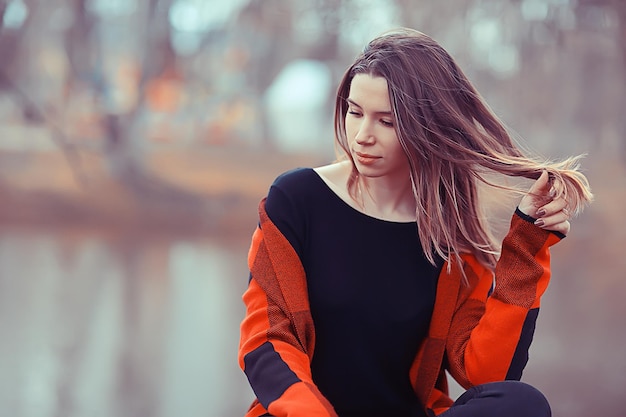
493	326
277	336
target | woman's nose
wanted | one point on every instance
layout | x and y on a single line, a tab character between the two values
365	133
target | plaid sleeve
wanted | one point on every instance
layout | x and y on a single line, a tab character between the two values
491	331
277	337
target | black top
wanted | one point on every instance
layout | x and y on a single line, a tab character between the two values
371	293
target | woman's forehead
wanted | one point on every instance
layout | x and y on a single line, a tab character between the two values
370	92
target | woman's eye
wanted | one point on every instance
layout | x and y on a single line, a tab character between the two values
386	123
354	113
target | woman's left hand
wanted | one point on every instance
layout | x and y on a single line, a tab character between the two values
539	203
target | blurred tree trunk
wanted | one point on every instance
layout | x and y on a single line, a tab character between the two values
618	7
327	47
11	65
80	44
122	126
125	139
266	28
3	8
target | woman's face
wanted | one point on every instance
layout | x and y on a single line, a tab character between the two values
370	129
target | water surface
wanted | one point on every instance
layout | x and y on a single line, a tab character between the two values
102	324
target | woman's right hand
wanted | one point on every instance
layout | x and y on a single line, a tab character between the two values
539	203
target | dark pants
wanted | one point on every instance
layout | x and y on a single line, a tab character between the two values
497	399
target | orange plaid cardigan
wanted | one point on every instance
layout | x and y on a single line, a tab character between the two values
478	333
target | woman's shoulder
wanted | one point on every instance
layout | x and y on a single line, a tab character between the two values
297	186
294	178
334	175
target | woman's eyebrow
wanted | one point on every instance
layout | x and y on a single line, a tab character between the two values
382	113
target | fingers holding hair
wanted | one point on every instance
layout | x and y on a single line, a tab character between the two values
540	203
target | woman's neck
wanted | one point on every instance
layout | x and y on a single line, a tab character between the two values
386	197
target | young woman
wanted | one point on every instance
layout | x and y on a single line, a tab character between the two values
372	276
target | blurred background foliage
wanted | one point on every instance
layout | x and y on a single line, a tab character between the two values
137	136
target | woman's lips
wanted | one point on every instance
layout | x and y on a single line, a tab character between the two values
366	159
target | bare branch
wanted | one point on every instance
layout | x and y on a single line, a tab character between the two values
70	152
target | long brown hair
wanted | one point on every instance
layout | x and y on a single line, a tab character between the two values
453	141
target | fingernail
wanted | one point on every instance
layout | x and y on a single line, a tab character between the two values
541	212
539	222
